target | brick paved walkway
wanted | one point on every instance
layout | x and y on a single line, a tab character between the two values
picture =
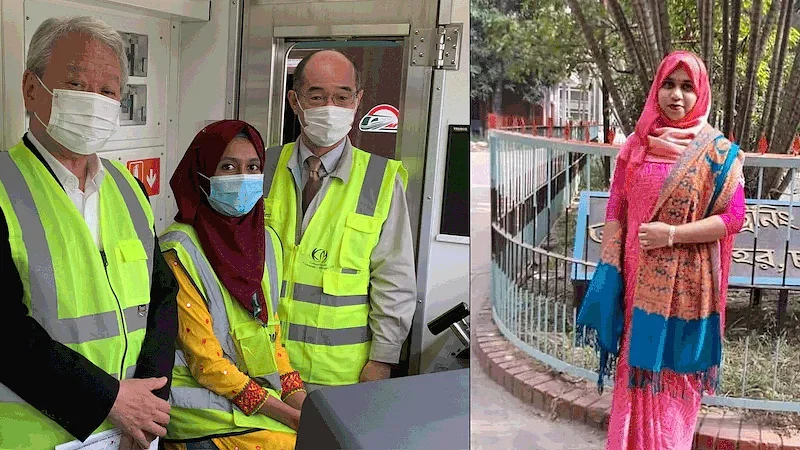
578	400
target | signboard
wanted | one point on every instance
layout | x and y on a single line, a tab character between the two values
774	220
148	171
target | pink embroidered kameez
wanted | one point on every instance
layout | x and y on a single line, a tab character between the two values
640	419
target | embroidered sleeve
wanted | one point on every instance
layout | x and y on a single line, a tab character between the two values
251	398
291	384
201	348
615	209
734	214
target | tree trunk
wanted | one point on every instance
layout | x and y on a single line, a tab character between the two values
497	97
790	109
769	25
770	21
776	69
661	8
730	99
707	33
642	45
602	65
700	5
726	43
745	100
651	6
789	119
606	113
642	69
648	32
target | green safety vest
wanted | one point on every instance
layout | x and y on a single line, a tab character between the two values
249	344
324	307
93	302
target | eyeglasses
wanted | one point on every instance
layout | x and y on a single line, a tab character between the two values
343	99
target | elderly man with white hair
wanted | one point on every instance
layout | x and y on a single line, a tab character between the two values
90	319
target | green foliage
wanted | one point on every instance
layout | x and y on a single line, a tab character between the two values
685	28
521	46
524	46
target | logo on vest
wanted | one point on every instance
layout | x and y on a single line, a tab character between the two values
318	259
319	255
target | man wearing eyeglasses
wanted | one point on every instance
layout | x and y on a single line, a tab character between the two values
348	296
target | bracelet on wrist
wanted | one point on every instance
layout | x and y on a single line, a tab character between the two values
671	239
290	393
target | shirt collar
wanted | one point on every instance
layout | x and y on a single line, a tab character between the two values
336	162
96	172
329	160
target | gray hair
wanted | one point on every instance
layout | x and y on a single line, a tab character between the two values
41	47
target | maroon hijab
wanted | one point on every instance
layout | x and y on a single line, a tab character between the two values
234	246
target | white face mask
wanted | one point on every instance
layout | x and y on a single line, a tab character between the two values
327	125
81	121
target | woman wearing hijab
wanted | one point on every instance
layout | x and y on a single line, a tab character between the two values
233	386
657	298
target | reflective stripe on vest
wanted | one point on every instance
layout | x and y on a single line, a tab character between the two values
330	337
198	398
313	294
368	198
271	158
367	204
324	303
44	300
216	306
8	396
138	215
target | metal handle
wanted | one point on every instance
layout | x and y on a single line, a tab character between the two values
458	329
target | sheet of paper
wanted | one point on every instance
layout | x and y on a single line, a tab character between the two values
106	440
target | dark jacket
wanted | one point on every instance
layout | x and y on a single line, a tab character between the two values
60	382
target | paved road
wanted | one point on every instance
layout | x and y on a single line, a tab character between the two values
498	419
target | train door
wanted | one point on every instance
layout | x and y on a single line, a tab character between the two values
394	42
380	36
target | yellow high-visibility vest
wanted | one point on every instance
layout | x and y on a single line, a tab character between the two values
91	301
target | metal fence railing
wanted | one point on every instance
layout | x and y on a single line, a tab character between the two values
544	253
576	132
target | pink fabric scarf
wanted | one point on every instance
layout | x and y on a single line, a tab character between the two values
666	144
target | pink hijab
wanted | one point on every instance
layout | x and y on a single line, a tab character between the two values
657	138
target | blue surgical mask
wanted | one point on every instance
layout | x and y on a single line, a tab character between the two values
235	195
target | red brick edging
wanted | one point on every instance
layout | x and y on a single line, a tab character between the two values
522	376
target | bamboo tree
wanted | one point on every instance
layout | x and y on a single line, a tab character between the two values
601	61
730	70
662	13
745	99
645	16
789	118
776	69
643	72
769	26
726	43
707	32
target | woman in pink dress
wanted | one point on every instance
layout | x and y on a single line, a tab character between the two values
657	299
